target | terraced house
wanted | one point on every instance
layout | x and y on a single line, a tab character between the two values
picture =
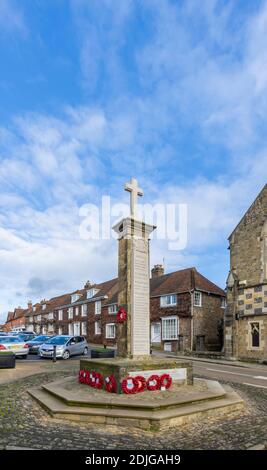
246	314
186	312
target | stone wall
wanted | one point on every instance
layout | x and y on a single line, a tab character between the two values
207	320
246	244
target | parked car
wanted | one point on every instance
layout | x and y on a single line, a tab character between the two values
2	333
15	345
35	343
66	346
25	336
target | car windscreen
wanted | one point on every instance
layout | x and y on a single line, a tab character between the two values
40	338
10	339
58	340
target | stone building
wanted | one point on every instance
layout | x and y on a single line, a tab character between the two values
186	312
246	313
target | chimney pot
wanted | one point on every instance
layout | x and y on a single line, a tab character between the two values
157	271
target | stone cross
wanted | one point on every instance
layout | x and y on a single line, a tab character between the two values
132	188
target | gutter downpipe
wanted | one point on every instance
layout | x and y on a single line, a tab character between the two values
192	319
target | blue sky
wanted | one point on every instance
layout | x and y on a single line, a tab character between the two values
93	92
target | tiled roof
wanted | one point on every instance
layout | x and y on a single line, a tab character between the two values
184	280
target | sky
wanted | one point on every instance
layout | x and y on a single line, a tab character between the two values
94	92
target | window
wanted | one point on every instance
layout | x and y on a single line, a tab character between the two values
248	296
258	289
258	300
30	319
60	330
34	308
70	312
169	328
74	298
255	334
198	299
84	310
84	328
112	309
223	305
110	331
50	316
91	293
97	328
168	300
76	311
38	318
43	306
248	306
98	307
60	314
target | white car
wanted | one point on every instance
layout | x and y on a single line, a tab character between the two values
14	345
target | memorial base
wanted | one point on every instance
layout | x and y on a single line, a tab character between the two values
181	372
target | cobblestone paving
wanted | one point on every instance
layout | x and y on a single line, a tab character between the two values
24	424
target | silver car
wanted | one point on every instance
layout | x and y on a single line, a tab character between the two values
66	346
14	345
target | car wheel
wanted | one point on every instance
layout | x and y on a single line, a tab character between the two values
85	352
66	355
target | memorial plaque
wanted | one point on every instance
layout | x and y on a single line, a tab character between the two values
176	374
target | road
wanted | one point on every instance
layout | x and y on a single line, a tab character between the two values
255	376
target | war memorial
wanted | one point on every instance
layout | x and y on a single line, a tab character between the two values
135	388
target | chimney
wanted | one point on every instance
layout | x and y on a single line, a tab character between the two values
30	305
157	271
88	284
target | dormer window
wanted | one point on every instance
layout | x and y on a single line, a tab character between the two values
91	293
75	297
43	306
34	309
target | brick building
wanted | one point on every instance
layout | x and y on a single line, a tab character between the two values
186	311
246	313
15	319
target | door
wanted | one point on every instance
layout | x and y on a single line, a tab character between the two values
71	329
155	333
76	329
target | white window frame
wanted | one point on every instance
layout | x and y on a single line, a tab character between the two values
98	328
169	337
84	328
197	294
84	310
39	317
60	315
74	298
60	330
98	307
108	336
51	316
91	293
223	304
112	309
31	319
172	300
76	311
43	306
70	313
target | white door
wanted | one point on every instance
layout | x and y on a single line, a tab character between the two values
77	329
71	329
155	332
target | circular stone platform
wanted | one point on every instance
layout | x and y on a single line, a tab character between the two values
67	399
